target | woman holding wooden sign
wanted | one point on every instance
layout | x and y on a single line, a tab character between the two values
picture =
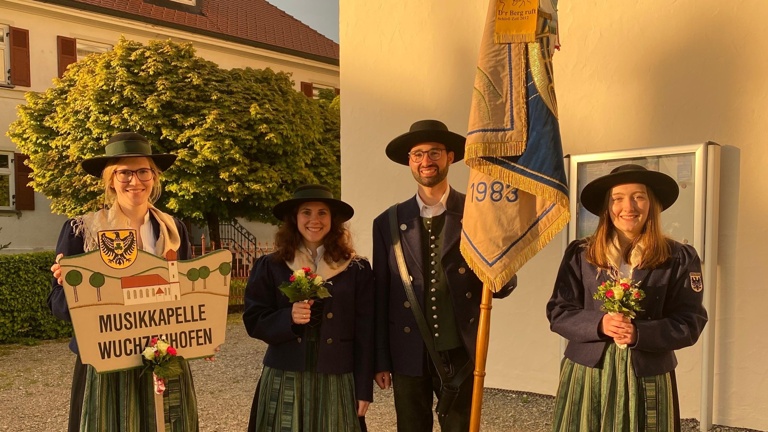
312	302
125	400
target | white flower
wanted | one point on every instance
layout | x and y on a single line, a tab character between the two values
299	273
149	353
318	280
162	346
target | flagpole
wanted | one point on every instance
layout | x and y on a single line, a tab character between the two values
481	355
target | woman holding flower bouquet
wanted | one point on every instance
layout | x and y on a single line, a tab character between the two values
312	302
625	298
125	401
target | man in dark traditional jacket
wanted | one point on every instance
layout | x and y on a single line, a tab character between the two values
446	289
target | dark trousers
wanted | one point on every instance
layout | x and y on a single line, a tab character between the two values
414	398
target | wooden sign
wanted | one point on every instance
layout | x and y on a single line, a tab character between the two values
119	298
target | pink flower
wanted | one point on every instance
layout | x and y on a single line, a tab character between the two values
637	295
624	286
153	342
292	278
609	294
171	351
306	269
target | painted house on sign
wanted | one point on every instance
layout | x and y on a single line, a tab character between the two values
153	288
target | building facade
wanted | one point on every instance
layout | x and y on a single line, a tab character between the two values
39	39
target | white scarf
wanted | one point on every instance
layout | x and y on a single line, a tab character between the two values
89	225
326	271
616	259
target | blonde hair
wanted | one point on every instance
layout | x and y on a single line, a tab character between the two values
655	249
110	195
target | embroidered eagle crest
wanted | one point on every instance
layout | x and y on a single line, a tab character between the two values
118	249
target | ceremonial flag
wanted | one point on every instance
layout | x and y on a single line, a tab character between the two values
517	197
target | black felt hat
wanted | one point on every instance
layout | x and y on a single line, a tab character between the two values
424	131
663	186
313	192
125	145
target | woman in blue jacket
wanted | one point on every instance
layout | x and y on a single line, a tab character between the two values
618	373
318	368
124	400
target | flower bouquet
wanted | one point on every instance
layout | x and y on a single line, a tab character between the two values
161	358
620	297
304	285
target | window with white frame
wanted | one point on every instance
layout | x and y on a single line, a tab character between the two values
5	55
6	180
85	47
186	2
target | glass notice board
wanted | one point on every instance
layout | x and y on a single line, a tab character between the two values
683	221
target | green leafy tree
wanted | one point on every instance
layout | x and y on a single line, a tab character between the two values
244	137
97	281
74	278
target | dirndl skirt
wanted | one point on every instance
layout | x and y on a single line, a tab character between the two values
304	401
124	401
610	398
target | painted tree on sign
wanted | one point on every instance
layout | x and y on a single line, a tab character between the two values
245	138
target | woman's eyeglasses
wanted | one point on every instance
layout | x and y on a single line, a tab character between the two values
143	174
418	155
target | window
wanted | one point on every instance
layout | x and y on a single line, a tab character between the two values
72	50
14	56
5	54
186	2
14	176
312	90
6	181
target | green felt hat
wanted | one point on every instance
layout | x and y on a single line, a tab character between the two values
125	145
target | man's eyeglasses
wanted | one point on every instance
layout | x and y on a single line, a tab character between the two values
418	155
143	174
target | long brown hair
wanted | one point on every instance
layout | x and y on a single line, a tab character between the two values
337	243
656	249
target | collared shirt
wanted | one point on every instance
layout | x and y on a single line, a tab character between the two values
148	238
316	259
433	210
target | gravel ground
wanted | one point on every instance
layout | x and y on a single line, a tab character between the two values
35	383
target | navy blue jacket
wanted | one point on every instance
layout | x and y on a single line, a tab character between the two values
399	346
70	244
346	329
673	316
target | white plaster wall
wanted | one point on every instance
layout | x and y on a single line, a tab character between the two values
630	74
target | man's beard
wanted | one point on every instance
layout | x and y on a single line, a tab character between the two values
431	181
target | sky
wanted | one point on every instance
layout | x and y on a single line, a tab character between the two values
321	15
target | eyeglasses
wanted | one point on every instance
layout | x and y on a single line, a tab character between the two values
418	155
143	174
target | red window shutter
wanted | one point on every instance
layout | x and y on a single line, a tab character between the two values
67	52
306	88
25	195
20	71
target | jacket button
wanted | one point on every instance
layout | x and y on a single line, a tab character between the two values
403	227
298	340
469	295
462	270
330	315
329	341
471	320
407	329
406	304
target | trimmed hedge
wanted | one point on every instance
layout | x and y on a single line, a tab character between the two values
25	281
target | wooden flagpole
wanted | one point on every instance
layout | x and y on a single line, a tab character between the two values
481	355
